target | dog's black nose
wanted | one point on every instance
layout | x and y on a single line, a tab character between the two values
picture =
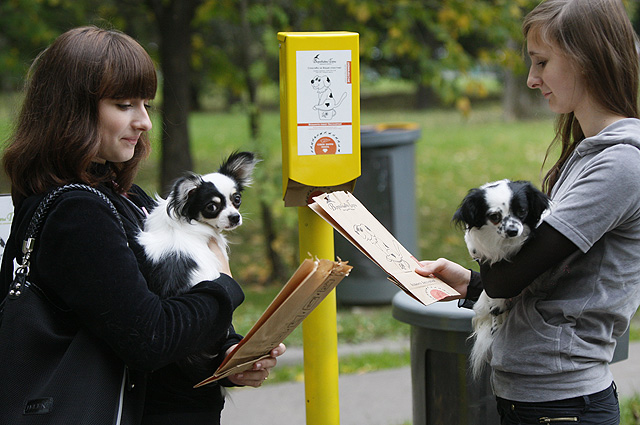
512	232
234	219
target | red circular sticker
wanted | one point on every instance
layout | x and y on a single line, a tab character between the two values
325	146
438	294
313	194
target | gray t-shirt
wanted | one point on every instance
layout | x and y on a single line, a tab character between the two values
558	339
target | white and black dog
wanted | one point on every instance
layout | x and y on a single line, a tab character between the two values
498	217
178	230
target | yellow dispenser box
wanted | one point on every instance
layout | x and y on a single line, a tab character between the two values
319	113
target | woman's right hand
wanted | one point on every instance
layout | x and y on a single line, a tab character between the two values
255	376
450	273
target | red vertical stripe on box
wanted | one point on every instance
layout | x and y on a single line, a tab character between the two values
348	72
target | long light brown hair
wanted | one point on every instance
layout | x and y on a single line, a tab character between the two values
56	137
598	38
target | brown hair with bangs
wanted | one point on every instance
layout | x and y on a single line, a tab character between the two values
597	36
56	138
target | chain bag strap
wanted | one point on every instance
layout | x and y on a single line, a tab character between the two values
22	272
20	280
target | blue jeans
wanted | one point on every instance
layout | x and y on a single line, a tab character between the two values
595	409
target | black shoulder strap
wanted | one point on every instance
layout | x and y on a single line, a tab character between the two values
38	218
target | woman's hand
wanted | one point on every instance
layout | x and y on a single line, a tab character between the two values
450	273
224	261
260	371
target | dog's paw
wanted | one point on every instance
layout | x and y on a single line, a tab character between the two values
497	321
496	311
498	306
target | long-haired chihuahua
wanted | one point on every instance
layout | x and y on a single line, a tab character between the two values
498	218
198	209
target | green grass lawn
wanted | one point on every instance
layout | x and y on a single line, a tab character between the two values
453	155
630	411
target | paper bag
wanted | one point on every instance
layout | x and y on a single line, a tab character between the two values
308	286
353	221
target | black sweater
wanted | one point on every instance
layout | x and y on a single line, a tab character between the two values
84	262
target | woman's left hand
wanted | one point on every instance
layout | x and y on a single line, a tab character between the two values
224	261
258	374
449	272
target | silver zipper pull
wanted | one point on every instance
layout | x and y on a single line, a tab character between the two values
547	420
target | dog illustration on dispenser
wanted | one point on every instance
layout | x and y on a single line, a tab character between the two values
327	103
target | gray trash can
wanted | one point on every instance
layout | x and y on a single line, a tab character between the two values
387	189
443	391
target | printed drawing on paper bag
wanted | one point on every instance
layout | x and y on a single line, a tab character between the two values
393	254
327	103
353	221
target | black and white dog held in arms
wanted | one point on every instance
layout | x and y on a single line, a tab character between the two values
178	230
498	218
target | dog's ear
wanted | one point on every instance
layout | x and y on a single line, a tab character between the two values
180	192
538	203
472	210
239	166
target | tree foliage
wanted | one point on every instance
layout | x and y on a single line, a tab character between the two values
434	42
430	42
26	27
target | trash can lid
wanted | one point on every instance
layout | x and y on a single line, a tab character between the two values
389	134
446	316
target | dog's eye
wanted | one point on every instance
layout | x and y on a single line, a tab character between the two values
521	213
211	207
236	199
495	217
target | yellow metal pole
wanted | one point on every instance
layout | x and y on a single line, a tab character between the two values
319	330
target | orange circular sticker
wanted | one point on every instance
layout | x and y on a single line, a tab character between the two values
325	146
438	294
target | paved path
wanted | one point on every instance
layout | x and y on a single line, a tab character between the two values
376	398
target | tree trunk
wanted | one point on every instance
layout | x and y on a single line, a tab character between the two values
278	269
426	97
247	56
174	27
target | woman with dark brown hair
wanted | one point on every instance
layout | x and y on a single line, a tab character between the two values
110	351
55	141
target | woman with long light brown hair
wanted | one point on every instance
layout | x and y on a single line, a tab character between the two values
550	358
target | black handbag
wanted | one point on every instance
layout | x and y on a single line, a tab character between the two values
57	374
